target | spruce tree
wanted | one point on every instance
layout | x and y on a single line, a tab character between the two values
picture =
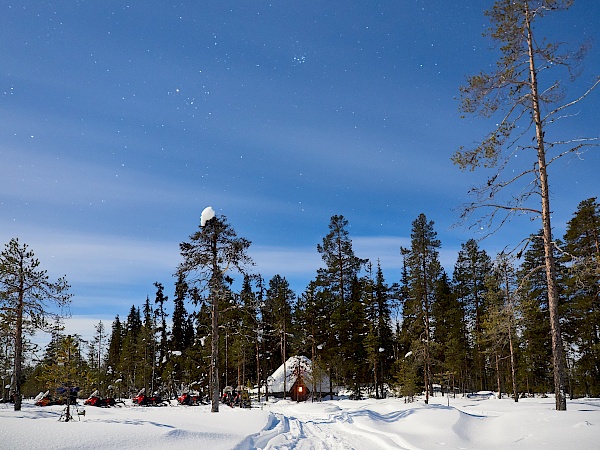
450	334
280	300
161	320
423	272
67	369
338	279
96	355
471	268
379	341
312	321
582	290
131	362
179	333
249	324
147	346
535	322
115	346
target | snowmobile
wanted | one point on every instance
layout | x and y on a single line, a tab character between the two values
233	398
141	399
45	399
190	400
95	400
241	398
227	397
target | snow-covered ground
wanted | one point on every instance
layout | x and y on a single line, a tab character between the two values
468	423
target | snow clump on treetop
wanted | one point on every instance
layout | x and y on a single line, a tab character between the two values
207	214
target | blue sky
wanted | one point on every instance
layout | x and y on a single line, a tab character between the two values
121	121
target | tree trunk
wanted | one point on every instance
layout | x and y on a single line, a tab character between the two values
376	380
19	350
550	264
214	357
512	365
510	340
257	367
427	369
498	376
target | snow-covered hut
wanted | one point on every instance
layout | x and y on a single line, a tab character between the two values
299	380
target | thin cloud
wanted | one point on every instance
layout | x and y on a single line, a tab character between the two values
95	258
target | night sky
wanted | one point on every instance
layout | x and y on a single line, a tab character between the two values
120	122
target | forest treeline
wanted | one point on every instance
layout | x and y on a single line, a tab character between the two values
483	327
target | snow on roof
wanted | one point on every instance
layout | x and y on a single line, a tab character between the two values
294	366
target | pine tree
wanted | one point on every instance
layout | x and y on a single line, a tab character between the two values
500	322
524	109
499	332
354	330
6	355
423	272
26	293
212	251
471	268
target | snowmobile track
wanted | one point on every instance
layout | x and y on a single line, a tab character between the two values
337	431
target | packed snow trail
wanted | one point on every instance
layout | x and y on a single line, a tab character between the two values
476	422
293	428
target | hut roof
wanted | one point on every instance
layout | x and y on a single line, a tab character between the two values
294	367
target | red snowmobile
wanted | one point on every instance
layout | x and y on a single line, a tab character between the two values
95	400
141	399
45	399
190	400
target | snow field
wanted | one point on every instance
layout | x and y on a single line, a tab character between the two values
467	423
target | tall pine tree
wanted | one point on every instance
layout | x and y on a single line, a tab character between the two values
423	271
211	252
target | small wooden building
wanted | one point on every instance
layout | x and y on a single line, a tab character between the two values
299	391
296	378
